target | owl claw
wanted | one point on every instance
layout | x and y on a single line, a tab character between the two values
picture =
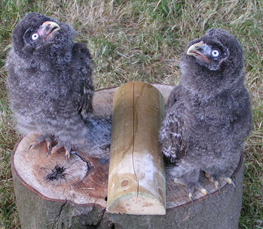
49	147
202	189
39	140
190	195
191	187
59	146
67	154
55	149
228	180
216	182
190	191
30	147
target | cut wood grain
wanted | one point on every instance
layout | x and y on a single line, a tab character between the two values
136	175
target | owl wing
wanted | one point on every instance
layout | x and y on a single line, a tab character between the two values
84	66
172	127
173	97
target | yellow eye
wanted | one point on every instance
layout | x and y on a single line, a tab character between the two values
34	36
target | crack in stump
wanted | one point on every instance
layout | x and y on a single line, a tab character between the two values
56	220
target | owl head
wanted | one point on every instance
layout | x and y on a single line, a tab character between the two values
212	63
215	51
36	32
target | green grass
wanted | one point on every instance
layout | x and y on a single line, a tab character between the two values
142	40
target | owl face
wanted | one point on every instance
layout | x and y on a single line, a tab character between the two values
208	53
44	33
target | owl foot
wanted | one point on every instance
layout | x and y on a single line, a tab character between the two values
216	180
50	149
59	146
68	146
191	187
39	140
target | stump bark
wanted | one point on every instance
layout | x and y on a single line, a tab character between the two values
54	193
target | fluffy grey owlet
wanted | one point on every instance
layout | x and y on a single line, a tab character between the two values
50	84
208	114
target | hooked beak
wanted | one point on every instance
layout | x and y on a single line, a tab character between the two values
199	50
48	29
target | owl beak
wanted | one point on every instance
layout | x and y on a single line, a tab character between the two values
48	29
199	50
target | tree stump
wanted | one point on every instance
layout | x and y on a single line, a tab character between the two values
54	193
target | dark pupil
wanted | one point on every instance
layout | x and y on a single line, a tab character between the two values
215	53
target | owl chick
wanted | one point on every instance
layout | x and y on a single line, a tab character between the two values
208	114
49	80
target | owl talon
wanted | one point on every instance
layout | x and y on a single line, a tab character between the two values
191	187
190	195
228	180
39	140
30	147
213	179
67	154
59	146
216	182
55	148
199	187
